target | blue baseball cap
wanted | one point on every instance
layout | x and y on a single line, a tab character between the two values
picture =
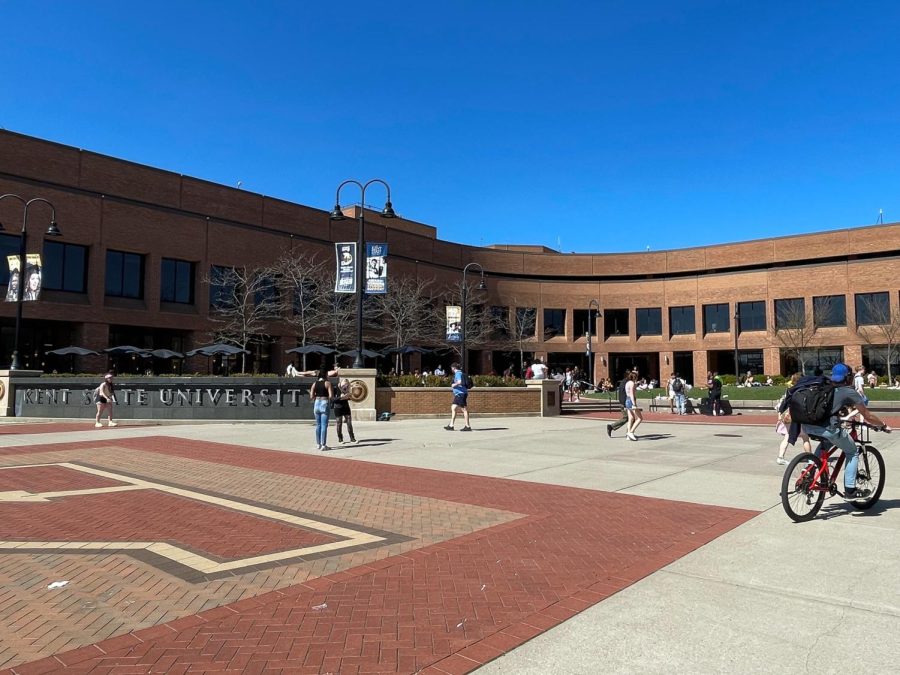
840	372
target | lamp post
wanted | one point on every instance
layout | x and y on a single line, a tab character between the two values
737	318
338	214
590	325
53	231
462	314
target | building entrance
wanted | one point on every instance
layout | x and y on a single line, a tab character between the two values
647	365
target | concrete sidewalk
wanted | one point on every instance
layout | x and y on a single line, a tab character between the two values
768	596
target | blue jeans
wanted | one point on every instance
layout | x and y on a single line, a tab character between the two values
842	440
320	408
679	403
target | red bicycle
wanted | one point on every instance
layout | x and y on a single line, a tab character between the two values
809	478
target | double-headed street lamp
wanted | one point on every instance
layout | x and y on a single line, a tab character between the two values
462	315
338	214
53	231
591	323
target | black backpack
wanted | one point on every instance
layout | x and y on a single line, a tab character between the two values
678	385
811	402
622	396
470	383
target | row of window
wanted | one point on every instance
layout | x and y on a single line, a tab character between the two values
790	313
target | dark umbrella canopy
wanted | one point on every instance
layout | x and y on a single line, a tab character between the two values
74	351
166	354
126	350
216	349
409	349
311	349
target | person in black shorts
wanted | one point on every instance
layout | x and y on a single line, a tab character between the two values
106	396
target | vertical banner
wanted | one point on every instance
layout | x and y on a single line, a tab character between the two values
345	277
454	325
376	268
31	278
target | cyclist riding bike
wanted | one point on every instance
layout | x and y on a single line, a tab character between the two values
845	396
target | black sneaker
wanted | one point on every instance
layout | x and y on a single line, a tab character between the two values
609	430
852	494
466	429
449	427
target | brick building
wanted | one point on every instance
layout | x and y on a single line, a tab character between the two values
137	243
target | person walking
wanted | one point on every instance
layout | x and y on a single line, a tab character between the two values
635	417
678	392
342	411
105	396
460	396
715	394
620	394
321	393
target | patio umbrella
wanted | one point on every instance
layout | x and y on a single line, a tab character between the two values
311	349
126	350
73	352
367	354
408	349
166	354
217	349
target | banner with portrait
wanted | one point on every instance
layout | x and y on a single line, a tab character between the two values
31	279
376	268
454	323
345	277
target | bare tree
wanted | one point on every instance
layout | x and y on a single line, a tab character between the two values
244	301
883	333
305	295
795	329
480	324
341	327
405	312
519	331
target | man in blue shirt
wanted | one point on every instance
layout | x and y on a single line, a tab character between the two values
460	394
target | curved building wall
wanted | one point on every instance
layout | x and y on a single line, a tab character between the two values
106	204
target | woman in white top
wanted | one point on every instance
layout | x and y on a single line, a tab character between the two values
635	417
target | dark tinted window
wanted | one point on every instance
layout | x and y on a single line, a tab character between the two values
615	322
526	321
716	318
649	321
830	310
752	315
872	309
124	274
681	320
177	281
554	322
500	319
222	286
65	267
790	313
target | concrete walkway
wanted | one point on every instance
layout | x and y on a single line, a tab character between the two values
768	596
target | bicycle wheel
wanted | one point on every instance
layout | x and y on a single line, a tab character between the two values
869	475
798	497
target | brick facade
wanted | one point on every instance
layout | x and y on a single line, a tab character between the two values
105	203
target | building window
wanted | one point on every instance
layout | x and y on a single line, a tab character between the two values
681	320
500	321
177	281
829	310
873	309
716	318
9	245
223	283
615	322
649	321
64	267
267	293
752	315
554	322
790	313
124	274
526	324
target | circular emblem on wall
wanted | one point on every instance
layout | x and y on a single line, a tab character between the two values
358	391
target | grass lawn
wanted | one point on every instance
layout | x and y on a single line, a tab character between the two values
755	393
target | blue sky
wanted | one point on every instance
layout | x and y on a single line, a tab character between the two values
587	126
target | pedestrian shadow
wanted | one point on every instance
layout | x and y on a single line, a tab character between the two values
654	437
490	428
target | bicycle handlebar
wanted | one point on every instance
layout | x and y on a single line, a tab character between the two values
884	427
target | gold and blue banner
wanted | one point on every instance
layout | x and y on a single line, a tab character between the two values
454	323
345	277
31	279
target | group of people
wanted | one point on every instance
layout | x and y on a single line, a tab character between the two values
325	398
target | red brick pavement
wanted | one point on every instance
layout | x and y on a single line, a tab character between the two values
13	428
445	608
